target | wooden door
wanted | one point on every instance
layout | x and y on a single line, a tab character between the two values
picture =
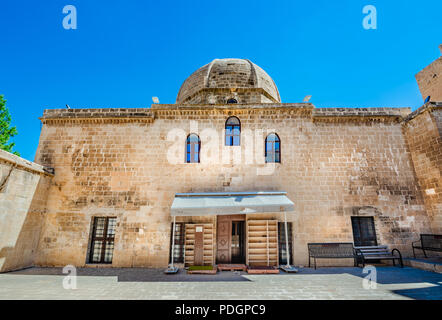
224	237
364	231
199	246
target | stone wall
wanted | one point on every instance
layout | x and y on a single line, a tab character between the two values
430	80
23	191
335	164
423	130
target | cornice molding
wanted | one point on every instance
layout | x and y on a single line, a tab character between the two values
358	118
163	111
97	120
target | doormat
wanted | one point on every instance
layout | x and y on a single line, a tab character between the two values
262	270
201	270
232	267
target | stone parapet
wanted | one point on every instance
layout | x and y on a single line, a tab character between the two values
430	106
98	115
27	165
158	110
359	114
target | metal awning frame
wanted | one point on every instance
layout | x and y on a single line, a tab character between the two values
231	194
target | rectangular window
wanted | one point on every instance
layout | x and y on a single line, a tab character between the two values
364	233
179	243
102	242
282	244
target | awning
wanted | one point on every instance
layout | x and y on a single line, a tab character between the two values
223	203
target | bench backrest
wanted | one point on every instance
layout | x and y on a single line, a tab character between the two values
433	241
373	250
331	250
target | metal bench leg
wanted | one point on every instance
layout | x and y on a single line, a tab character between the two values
315	263
414	253
309	261
399	258
425	254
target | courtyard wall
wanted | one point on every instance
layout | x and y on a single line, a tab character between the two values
423	131
23	192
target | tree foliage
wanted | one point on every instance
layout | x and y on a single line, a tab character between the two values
6	131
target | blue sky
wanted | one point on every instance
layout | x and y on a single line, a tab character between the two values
125	52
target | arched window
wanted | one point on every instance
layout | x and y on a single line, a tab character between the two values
232	100
273	148
193	147
233	131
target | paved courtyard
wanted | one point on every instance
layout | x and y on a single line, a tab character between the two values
121	283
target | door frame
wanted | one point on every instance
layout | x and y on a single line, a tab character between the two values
242	242
372	224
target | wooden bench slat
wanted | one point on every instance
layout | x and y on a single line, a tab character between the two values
368	253
385	253
380	257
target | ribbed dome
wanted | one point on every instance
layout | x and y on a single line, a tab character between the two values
228	80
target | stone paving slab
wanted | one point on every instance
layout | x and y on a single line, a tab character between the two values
324	283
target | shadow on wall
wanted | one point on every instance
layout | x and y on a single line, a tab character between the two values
4	253
24	239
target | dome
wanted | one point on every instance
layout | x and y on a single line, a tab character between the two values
228	81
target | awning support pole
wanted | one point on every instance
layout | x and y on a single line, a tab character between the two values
173	239
286	240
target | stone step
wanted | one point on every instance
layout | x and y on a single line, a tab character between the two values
430	264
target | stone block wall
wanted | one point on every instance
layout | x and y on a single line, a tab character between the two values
23	192
335	164
423	131
430	80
